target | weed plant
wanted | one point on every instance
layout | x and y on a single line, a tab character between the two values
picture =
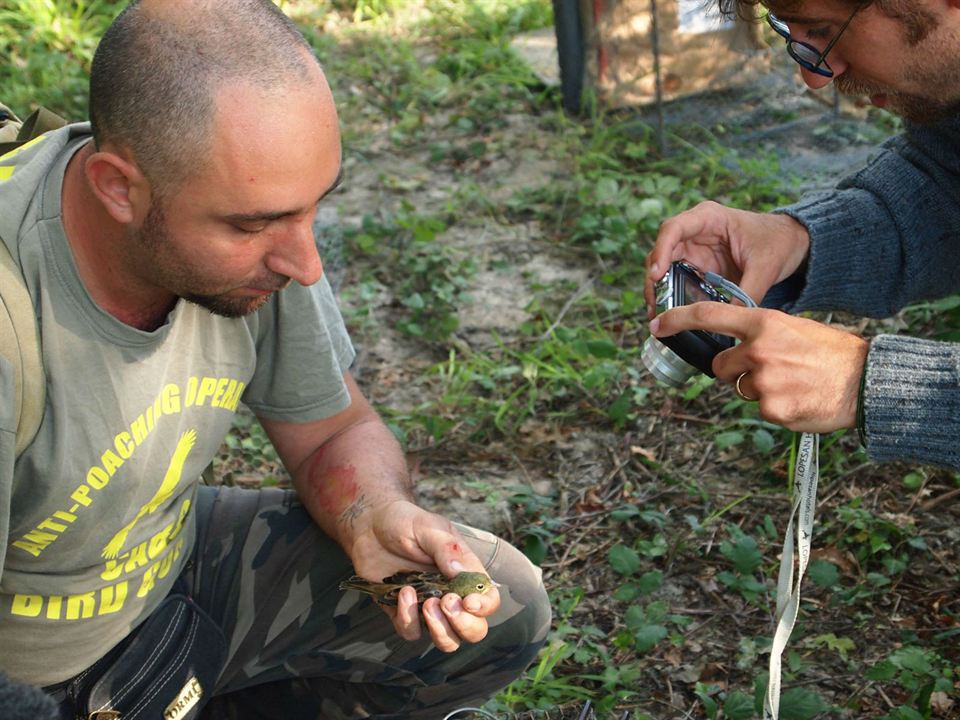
46	47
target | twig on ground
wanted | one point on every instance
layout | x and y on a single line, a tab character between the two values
916	495
713	615
888	701
933	502
586	709
617	470
686	713
703	458
580	292
571	545
449	436
678	416
599	551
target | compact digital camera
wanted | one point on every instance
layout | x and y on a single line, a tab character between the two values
674	360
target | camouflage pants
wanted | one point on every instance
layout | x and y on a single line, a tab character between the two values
298	647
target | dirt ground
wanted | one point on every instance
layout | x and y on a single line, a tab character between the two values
773	115
587	472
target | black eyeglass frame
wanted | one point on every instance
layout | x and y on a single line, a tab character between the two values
817	60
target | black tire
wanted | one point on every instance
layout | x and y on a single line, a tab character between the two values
570	52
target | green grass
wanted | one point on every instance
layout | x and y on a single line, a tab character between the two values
46	47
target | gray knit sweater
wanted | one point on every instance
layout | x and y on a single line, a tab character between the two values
886	237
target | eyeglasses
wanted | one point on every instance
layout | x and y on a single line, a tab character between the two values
806	55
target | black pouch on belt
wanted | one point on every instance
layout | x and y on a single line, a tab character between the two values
168	670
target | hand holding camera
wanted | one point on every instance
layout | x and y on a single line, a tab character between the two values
755	250
674	359
806	375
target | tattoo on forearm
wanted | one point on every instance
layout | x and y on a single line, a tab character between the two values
353	511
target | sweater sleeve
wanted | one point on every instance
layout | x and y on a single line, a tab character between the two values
886	236
912	401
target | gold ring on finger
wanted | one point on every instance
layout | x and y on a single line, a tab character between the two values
740	393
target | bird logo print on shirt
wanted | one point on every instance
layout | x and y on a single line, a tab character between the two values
170	481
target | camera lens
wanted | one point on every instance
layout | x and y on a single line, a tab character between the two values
664	364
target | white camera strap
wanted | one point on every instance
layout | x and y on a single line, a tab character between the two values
806	473
805	476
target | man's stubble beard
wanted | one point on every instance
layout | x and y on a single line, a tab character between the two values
914	108
182	278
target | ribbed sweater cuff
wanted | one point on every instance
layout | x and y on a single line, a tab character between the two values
912	401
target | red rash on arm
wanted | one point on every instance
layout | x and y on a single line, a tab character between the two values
336	488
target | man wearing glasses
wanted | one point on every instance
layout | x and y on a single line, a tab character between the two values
885	237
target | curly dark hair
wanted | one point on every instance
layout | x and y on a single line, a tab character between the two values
917	22
747	9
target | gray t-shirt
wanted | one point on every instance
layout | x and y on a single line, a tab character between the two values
95	515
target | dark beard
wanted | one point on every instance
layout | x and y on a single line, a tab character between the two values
913	108
226	306
154	234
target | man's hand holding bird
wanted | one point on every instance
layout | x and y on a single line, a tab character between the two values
425	584
400	536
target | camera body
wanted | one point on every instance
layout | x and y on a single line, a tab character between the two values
674	360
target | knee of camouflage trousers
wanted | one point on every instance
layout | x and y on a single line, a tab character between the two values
337	656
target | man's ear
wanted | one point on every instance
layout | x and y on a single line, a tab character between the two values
119	185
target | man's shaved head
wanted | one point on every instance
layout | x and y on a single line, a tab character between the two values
158	68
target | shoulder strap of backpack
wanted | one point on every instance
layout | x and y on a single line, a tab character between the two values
14	133
19	341
21	346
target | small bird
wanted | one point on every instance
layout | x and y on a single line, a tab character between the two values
427	585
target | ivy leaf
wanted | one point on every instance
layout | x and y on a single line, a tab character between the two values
647	636
415	301
885	670
607	191
728	439
801	704
648	207
763	440
709	704
841	645
627	592
823	573
623	559
603	349
650	582
738	706
535	549
744	554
